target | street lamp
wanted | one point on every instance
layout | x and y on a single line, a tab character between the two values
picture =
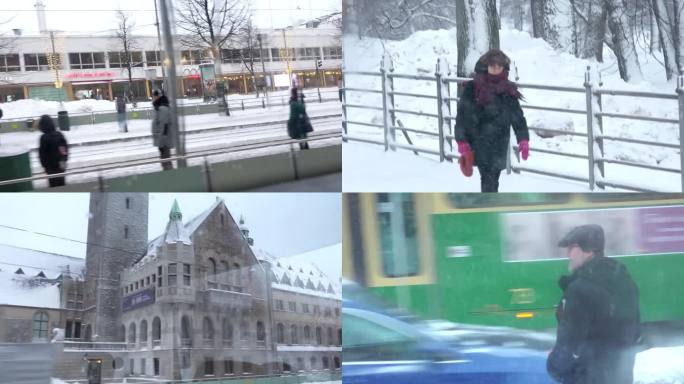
260	37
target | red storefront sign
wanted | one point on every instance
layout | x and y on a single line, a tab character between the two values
89	75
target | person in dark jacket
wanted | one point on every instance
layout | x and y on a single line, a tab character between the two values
162	133
487	109
121	113
598	315
53	150
298	125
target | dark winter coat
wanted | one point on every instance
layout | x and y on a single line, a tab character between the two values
53	150
162	134
598	325
298	125
487	128
121	105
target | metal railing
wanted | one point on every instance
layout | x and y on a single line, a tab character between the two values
446	115
91	345
206	168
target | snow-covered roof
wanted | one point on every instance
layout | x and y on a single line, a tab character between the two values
19	290
288	273
33	262
321	20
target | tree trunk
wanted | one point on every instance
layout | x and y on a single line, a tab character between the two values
599	35
477	32
664	24
543	12
519	14
654	35
623	41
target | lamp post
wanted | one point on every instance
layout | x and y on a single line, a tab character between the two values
260	37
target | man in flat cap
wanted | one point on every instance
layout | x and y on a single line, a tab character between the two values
598	315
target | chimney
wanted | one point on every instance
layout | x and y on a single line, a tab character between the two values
40	11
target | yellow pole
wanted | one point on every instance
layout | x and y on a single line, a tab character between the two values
26	92
244	81
147	88
110	90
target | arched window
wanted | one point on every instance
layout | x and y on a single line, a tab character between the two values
186	332
261	333
313	363
40	325
244	333
280	333
293	334
122	333
212	269
319	336
330	336
143	331
339	336
227	333
337	362
208	330
236	275
307	334
156	329
131	333
225	267
326	363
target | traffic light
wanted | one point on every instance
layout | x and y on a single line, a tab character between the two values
319	63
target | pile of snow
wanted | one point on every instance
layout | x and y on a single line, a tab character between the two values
536	63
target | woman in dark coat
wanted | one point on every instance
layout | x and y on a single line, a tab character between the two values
487	109
299	124
53	150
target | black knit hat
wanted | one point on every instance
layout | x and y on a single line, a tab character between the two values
589	237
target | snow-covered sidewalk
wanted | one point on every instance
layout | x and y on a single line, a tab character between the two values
368	168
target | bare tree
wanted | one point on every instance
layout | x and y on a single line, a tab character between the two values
127	43
668	16
248	41
477	32
624	46
211	24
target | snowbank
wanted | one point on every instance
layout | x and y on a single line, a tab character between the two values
536	63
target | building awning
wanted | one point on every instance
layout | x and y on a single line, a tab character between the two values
90	82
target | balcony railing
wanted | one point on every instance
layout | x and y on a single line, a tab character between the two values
99	346
156	343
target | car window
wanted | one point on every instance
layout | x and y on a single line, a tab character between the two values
359	331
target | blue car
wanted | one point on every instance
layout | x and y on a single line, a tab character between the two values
378	347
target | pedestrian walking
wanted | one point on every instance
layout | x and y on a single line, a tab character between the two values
598	315
53	150
299	124
162	133
121	113
488	107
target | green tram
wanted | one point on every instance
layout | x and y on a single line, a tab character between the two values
492	259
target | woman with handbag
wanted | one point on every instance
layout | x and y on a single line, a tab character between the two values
299	124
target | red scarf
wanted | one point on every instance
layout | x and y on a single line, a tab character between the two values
487	86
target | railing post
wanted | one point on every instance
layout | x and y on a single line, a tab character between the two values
243	104
599	138
263	103
390	102
440	106
92	118
590	127
343	99
207	176
680	93
383	73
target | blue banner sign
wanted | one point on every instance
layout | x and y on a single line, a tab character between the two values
138	299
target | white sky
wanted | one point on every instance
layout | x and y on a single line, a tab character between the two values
98	15
283	224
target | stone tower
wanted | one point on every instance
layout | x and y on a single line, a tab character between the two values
117	237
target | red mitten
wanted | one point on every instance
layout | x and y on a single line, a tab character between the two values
524	146
464	147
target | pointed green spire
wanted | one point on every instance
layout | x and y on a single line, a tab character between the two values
175	213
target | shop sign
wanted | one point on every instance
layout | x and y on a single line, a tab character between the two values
88	75
138	299
208	80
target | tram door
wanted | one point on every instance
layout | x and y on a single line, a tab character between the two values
94	371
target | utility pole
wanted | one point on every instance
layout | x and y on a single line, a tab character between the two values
166	10
263	66
287	58
156	17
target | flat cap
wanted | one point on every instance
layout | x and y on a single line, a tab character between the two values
589	237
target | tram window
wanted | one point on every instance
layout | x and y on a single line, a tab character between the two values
610	197
398	234
489	200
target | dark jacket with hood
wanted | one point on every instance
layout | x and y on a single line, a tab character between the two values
487	127
598	325
162	134
53	150
298	124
